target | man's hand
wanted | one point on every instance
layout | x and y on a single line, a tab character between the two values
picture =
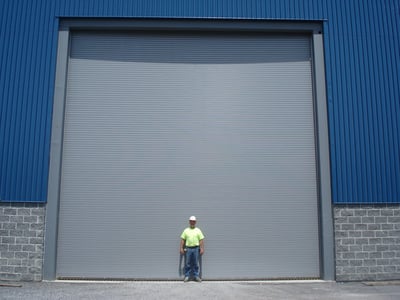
182	251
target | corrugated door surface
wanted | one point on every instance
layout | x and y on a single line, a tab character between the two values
161	126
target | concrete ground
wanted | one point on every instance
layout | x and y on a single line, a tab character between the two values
206	290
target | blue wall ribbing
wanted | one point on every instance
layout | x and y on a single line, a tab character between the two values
362	42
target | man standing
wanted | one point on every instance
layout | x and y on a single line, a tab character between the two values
192	245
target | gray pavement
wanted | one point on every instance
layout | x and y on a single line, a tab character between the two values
206	290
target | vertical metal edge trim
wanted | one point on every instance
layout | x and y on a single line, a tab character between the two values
52	211
326	214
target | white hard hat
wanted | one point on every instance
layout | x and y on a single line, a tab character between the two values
192	218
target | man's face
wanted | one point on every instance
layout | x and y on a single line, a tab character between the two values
192	224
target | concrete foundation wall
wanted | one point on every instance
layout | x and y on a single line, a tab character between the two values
367	242
21	241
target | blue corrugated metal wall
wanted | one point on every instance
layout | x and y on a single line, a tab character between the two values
362	70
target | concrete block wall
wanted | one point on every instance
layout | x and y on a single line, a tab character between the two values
367	242
21	241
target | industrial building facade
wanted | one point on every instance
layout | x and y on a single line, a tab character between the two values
274	122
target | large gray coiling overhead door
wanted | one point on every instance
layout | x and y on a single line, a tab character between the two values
161	126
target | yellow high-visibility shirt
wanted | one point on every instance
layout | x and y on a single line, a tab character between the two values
192	236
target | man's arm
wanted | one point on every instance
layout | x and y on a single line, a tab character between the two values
201	247
182	247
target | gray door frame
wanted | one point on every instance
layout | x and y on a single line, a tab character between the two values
327	262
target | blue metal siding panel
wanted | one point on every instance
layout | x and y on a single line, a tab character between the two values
27	75
362	70
363	123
